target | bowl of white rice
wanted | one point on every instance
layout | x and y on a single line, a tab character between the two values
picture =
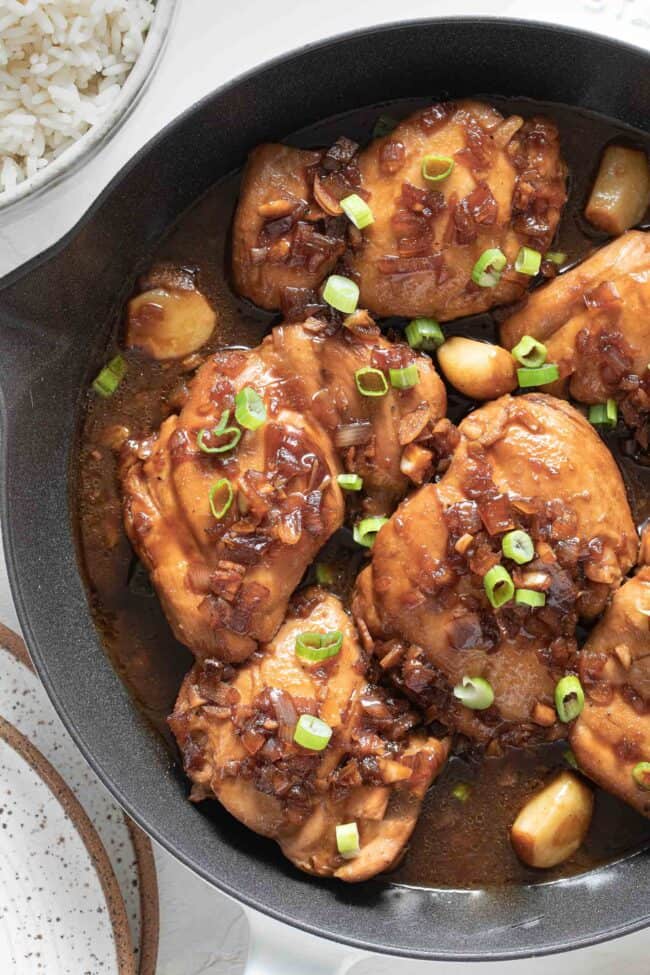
70	72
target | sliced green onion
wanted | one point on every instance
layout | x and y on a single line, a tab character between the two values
221	430
529	352
604	414
569	698
518	546
384	125
250	411
365	532
341	293
475	693
357	211
499	587
570	758
350	482
315	647
324	574
347	840
371	382
537	377
462	791
487	270
529	597
436	168
404	378
555	257
110	377
528	261
312	733
222	485
424	333
641	775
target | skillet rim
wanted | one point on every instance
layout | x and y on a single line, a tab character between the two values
527	27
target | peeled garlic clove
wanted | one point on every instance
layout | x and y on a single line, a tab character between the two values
620	195
169	323
554	822
477	369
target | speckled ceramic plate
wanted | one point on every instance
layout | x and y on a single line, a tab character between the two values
126	850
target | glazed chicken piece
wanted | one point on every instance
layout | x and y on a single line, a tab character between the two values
612	734
224	577
506	190
235	730
531	463
595	323
282	238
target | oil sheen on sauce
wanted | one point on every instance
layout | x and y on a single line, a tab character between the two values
456	844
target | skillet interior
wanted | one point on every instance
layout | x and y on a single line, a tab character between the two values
52	335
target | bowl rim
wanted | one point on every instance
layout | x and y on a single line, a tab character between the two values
98	135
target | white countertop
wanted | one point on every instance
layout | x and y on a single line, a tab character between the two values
202	932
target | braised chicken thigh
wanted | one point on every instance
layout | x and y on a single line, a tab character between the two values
227	510
236	732
530	464
611	738
506	190
595	323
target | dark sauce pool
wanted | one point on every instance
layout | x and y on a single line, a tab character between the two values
456	844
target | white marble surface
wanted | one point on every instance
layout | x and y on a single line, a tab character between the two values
203	933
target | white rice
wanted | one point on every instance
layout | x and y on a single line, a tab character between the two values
62	64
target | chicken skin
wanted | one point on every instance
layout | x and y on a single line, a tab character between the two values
228	520
595	323
612	734
529	464
506	190
236	729
282	239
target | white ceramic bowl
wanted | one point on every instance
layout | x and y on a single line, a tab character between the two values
97	135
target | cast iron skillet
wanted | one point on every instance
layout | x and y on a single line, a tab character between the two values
54	317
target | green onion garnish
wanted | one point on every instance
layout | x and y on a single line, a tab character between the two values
366	531
357	211
487	270
569	698
530	353
641	775
499	587
312	733
530	597
221	430
404	378
250	411
424	333
371	382
462	791
315	647
570	758
555	257
347	840
110	377
384	125
341	293
604	414
324	574
537	377
475	693
518	546
225	486
436	168
350	482
528	261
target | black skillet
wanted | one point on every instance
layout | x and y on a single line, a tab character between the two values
54	318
